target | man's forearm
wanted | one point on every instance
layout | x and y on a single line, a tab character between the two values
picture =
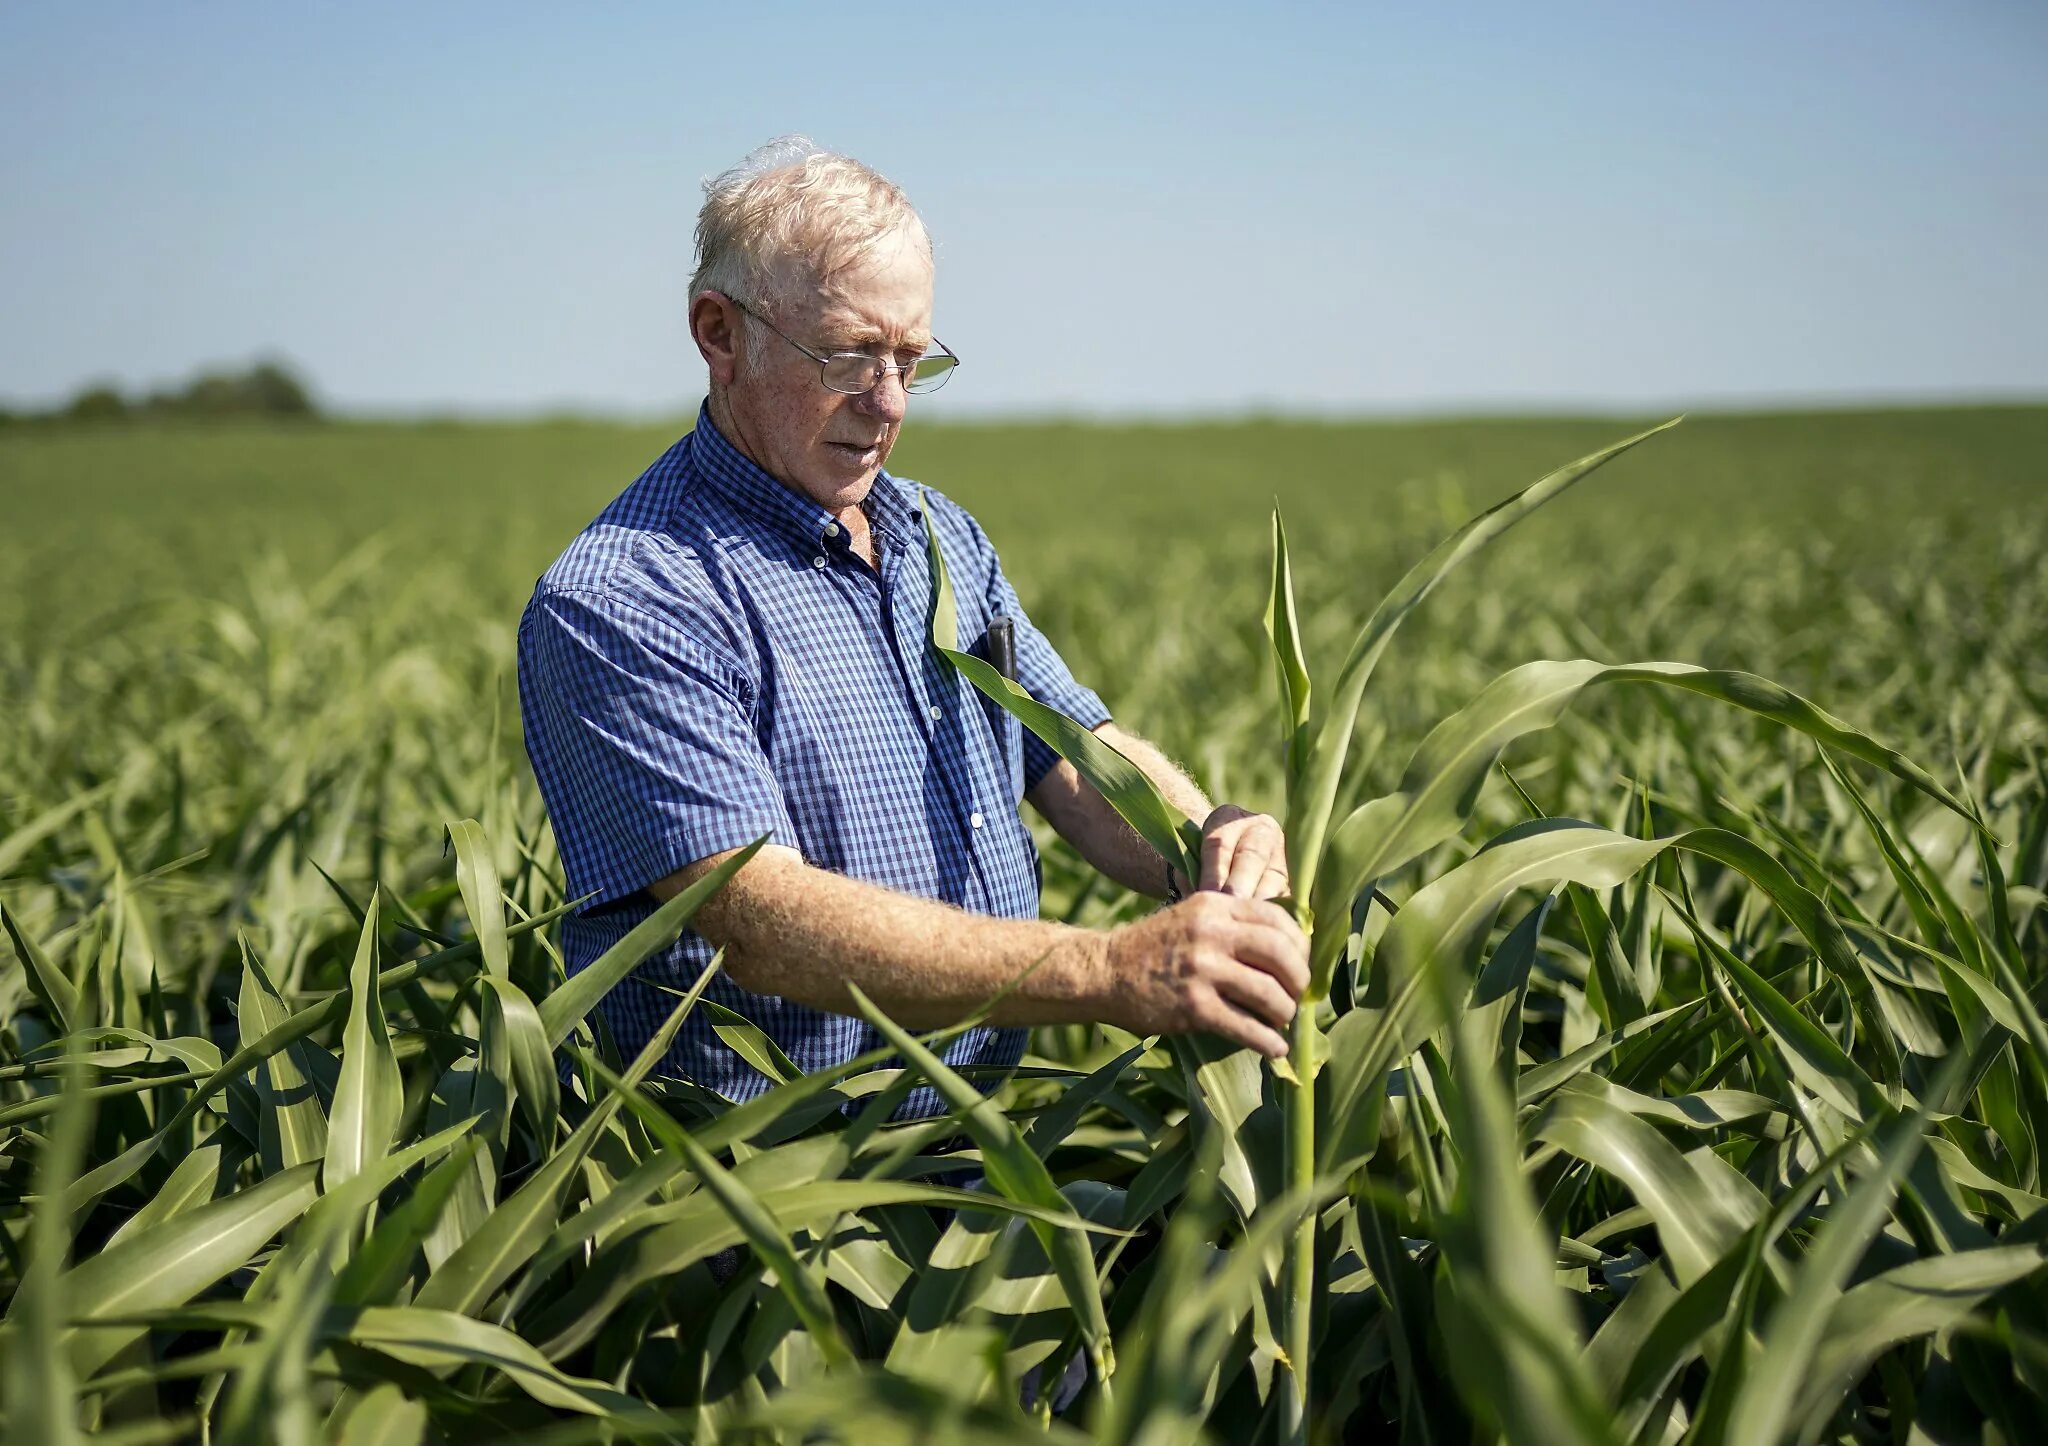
1098	832
805	934
1166	775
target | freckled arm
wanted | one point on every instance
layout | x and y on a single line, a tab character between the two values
1098	832
806	933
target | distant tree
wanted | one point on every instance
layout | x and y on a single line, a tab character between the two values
275	392
100	403
212	394
264	389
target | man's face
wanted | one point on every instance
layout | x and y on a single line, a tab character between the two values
825	444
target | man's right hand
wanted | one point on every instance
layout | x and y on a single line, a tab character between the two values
1216	962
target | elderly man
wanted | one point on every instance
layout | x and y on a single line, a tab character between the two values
738	646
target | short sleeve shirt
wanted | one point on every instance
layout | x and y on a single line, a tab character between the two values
709	662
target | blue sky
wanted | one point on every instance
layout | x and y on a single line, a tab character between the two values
1183	209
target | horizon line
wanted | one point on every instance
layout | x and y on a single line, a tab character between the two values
1481	408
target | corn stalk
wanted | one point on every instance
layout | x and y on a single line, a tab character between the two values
1316	752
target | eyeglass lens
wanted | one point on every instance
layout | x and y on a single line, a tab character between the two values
853	373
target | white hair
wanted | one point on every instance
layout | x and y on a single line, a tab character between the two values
792	213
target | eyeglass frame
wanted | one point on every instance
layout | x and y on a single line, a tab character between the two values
888	368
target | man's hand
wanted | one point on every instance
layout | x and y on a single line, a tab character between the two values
1218	962
1243	853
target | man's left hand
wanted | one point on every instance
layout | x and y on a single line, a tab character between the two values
1244	853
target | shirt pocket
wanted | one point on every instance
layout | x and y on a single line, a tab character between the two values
1005	734
1008	735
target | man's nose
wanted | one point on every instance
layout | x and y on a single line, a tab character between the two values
886	399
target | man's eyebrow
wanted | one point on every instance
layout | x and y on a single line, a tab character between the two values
868	339
848	333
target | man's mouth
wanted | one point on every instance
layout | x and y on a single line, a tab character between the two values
860	451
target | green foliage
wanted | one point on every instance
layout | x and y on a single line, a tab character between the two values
265	389
1680	1076
99	403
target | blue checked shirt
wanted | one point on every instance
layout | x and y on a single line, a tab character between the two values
708	662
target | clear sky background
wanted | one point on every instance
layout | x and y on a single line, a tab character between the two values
1173	209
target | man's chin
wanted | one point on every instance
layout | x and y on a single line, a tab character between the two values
838	490
850	474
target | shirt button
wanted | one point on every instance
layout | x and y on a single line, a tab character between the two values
975	819
831	529
818	561
937	713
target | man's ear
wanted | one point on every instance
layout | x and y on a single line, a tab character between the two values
715	327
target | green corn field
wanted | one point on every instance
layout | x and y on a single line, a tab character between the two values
1671	828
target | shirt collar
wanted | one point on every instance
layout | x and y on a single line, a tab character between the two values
891	506
894	513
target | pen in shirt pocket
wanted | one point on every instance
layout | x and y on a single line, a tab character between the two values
1002	647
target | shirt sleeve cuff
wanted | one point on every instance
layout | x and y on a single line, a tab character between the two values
653	860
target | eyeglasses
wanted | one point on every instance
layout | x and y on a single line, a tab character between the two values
855	373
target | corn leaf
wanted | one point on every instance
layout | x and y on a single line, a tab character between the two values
1014	1170
371	1092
